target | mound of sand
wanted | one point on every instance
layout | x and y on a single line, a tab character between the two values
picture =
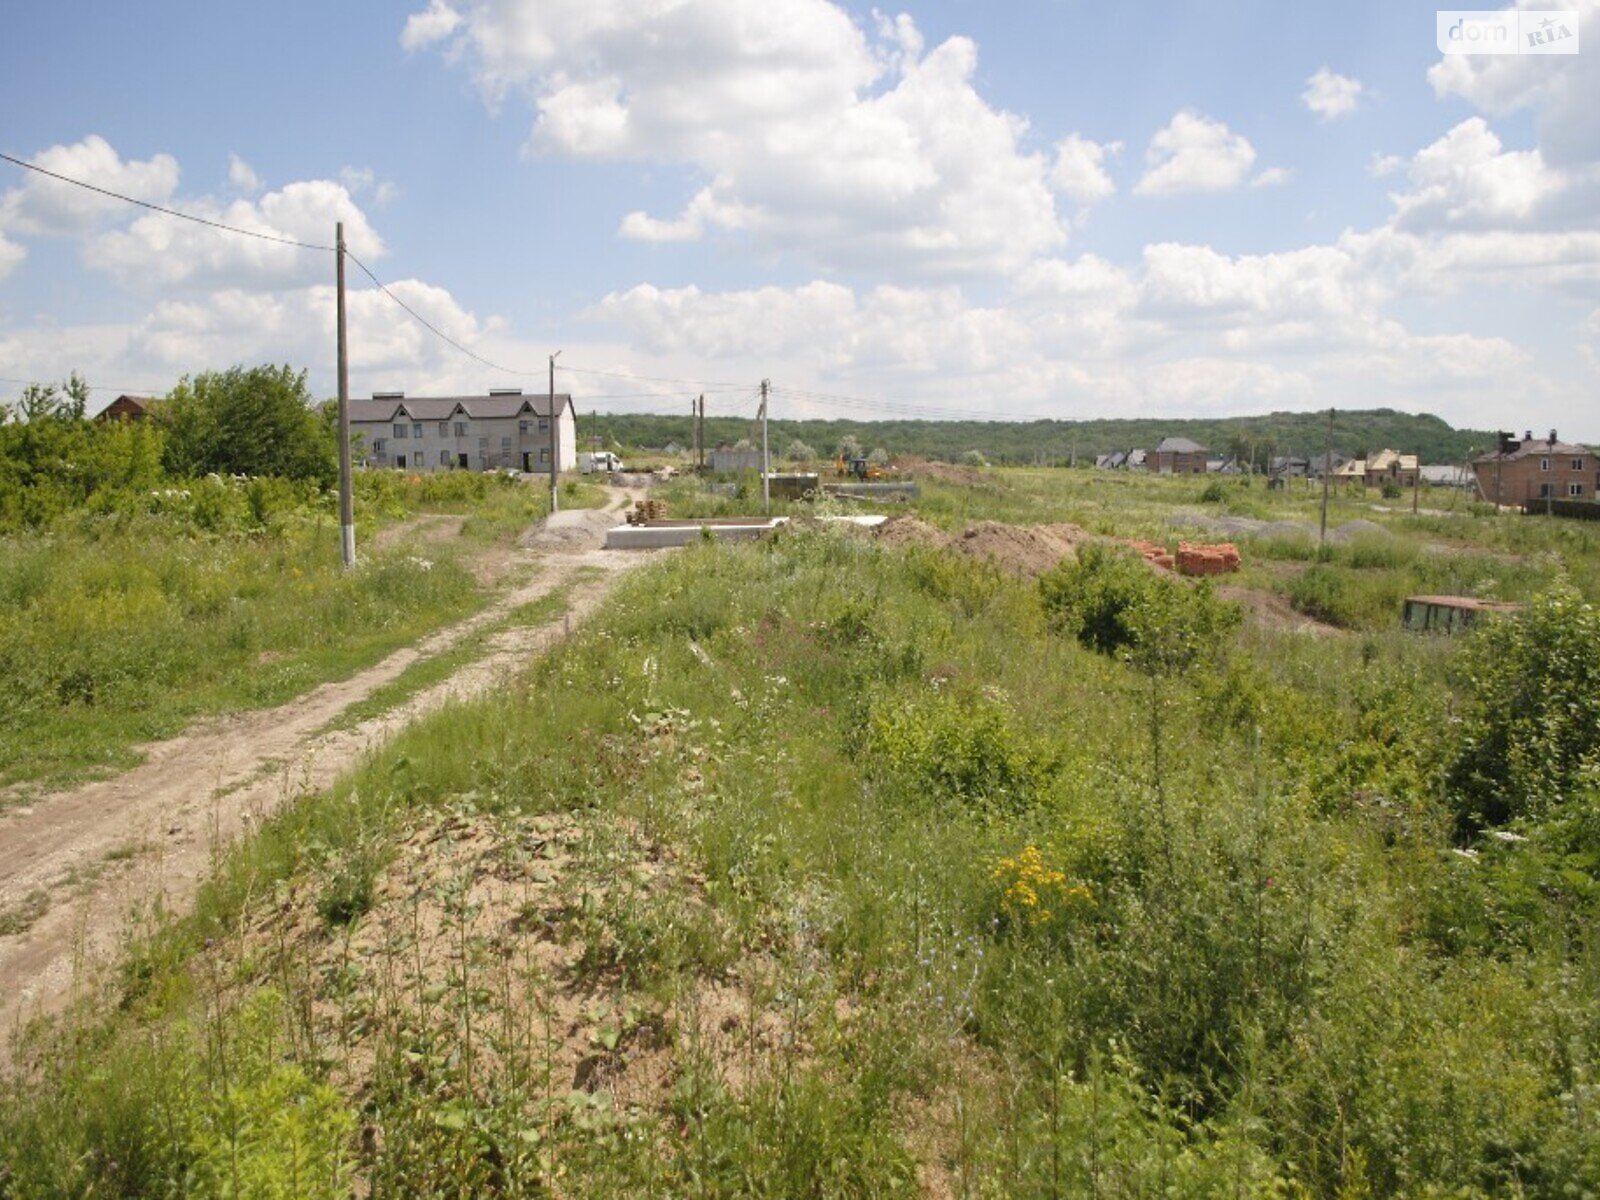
569	530
1025	550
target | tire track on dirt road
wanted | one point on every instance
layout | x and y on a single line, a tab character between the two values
78	862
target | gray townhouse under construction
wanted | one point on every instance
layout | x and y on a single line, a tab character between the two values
504	430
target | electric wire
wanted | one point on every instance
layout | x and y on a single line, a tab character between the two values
825	399
94	387
170	212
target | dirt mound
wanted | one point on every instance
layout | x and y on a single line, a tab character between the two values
923	468
571	529
1026	550
1271	611
911	531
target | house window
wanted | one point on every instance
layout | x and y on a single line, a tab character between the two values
483	444
377	445
505	443
1574	489
444	458
522	428
544	424
444	428
544	455
1544	491
416	429
400	431
1577	464
461	429
1544	464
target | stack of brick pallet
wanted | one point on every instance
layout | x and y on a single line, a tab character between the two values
1154	553
1198	559
647	510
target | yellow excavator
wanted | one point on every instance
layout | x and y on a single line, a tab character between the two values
857	468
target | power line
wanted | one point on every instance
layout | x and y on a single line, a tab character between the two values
708	385
94	387
434	329
827	399
906	409
170	212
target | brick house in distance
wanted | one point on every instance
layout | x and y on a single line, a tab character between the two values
1178	456
1532	468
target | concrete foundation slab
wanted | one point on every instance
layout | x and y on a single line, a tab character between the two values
654	535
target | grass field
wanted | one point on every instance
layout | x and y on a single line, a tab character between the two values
820	868
120	628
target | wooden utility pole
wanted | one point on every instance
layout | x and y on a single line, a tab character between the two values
1327	469
555	448
766	464
700	433
1416	483
347	514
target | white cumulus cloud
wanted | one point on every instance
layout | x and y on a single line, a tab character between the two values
41	205
1195	153
1331	95
1466	177
1564	89
435	23
847	149
242	176
161	251
1080	168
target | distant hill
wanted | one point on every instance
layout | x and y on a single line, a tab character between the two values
1017	442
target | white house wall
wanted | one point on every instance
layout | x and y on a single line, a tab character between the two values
490	444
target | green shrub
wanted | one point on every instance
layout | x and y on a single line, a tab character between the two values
967	749
1531	737
256	421
1214	493
1112	602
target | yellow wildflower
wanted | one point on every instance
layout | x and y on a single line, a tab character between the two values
1033	892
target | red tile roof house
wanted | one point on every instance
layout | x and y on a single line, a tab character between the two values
1178	456
1533	468
504	430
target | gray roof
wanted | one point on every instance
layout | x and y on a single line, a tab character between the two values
442	408
1532	446
1179	445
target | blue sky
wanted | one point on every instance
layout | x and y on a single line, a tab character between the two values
1035	208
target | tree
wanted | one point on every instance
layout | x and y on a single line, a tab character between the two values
255	421
879	457
798	451
849	446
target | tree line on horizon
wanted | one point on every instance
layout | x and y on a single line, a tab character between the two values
1021	443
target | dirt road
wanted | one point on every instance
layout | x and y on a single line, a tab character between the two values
74	864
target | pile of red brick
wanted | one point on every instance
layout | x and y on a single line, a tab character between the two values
1197	559
1154	553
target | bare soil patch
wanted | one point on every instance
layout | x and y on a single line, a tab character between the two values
1269	610
1024	550
197	791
